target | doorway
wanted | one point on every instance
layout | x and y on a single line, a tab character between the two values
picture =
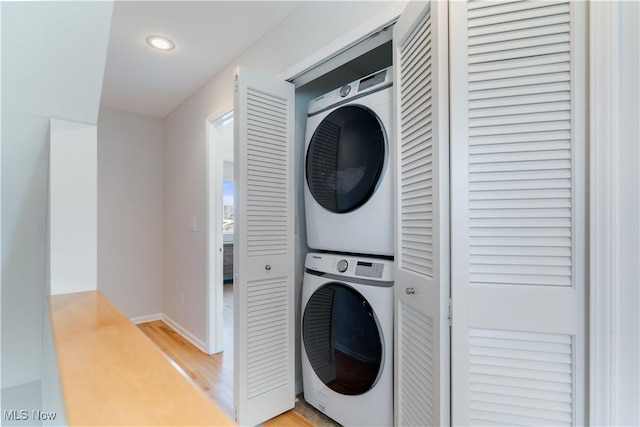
220	233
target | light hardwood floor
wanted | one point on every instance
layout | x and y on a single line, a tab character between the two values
212	373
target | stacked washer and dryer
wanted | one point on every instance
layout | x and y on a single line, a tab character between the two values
347	293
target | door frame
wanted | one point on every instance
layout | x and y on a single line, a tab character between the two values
613	319
214	235
214	331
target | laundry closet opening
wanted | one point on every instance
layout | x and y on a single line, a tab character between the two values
366	57
370	56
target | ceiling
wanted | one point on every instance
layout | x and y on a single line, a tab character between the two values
54	76
208	36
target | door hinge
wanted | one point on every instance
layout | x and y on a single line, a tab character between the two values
450	314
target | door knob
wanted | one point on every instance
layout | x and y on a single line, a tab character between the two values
410	291
267	267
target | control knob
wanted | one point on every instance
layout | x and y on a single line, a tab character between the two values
342	265
344	90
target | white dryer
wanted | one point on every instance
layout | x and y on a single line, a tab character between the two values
347	338
348	173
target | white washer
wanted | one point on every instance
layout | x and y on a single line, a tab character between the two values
347	338
348	176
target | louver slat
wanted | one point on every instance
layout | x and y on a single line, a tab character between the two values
504	17
520	146
267	317
417	388
416	168
267	166
520	378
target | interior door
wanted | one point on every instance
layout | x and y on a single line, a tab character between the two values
264	247
518	212
422	215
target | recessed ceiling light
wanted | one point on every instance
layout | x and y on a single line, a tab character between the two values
160	42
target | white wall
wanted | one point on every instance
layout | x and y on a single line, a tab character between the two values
51	399
130	211
53	56
227	171
25	158
627	237
308	29
24	396
73	198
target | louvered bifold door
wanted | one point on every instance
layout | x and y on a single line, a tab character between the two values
264	384
422	216
518	212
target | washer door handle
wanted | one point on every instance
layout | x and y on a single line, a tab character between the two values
410	291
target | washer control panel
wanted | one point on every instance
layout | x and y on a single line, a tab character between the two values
351	266
372	270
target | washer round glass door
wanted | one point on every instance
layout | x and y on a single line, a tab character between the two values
345	159
342	339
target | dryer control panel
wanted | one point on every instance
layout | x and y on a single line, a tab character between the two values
351	266
353	90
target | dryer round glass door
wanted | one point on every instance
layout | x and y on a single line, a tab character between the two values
342	339
345	159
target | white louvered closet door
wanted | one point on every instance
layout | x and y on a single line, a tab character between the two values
518	212
263	252
422	216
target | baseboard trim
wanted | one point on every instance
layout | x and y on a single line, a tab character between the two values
184	333
174	325
145	319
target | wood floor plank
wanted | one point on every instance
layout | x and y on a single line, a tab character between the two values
212	373
288	419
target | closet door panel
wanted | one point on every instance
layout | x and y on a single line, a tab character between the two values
422	216
264	383
518	212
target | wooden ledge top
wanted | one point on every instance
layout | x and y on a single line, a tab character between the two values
113	375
